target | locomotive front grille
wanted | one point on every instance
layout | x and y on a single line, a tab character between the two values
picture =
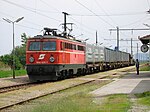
42	69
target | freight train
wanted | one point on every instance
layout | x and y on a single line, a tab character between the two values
53	56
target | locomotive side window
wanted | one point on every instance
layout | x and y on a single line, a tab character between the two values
80	48
61	45
49	46
74	47
34	46
70	46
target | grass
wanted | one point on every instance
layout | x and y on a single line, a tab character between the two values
4	66
145	68
8	73
72	100
77	99
144	98
5	71
83	102
116	103
76	103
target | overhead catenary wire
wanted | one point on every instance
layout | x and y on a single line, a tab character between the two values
121	14
24	26
34	11
85	26
30	9
148	3
94	13
105	12
49	5
29	27
21	25
132	23
97	3
24	20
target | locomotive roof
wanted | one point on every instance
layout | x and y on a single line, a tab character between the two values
68	38
51	33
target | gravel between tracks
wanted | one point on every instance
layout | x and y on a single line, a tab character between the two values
5	82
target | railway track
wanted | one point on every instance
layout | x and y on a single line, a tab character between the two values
31	92
53	92
16	87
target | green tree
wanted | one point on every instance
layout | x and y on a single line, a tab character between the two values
24	39
7	59
18	64
20	51
20	54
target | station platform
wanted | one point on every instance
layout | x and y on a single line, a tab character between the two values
129	84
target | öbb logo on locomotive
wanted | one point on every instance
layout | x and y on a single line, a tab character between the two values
41	56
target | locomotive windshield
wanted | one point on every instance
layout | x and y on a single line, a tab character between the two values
46	46
34	46
49	46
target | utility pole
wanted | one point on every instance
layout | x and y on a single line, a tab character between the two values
117	48
14	63
137	52
117	38
96	38
131	48
65	24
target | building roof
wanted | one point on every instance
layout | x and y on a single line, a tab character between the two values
145	39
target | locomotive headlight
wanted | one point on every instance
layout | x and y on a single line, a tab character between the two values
31	59
51	59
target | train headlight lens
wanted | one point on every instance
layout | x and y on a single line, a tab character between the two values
31	59
52	59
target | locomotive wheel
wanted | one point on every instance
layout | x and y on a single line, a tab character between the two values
79	72
99	68
62	75
88	71
84	71
59	75
66	73
70	73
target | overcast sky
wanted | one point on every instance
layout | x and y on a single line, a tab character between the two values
87	16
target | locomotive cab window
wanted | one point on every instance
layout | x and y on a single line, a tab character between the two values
34	46
49	46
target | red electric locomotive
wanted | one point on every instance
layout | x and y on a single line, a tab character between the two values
54	56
